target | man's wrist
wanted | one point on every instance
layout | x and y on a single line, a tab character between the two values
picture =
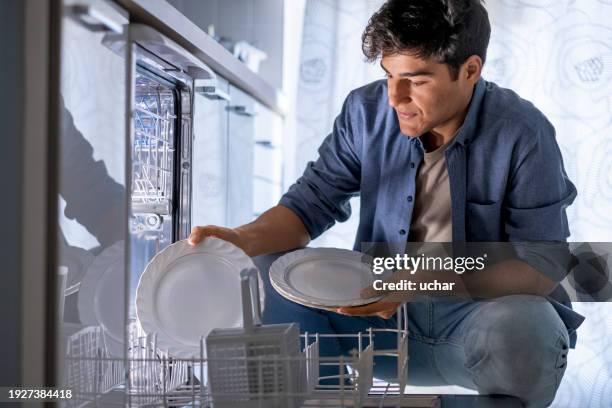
244	241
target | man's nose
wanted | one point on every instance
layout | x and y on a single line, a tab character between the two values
397	95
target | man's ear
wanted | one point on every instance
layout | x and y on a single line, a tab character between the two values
472	68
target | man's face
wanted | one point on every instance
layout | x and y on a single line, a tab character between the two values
424	95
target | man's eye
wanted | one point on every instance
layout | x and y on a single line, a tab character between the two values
419	83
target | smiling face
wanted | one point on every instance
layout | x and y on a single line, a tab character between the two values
425	96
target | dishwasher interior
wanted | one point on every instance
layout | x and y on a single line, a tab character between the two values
160	173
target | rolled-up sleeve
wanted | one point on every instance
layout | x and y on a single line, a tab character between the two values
536	203
320	197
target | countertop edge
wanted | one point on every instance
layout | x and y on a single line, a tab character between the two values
160	15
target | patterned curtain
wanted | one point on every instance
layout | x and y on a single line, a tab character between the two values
331	65
558	54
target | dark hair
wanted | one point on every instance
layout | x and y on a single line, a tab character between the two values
448	30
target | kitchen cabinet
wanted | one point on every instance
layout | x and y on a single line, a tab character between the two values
241	145
210	156
268	164
237	158
265	195
268	159
258	22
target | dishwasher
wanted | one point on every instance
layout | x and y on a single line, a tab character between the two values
153	196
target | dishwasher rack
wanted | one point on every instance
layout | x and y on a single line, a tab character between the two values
149	377
153	147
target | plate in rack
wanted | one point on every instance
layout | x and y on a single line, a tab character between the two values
101	297
187	291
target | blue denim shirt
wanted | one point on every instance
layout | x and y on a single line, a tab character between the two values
505	169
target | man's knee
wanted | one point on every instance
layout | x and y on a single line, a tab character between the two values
518	345
512	321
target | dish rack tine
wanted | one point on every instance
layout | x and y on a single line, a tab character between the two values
255	299
249	292
245	294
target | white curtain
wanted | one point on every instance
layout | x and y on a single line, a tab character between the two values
331	65
555	53
558	54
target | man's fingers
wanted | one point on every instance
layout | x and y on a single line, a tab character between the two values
195	237
371	309
369	291
387	315
199	233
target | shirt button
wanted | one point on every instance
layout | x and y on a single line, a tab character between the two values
409	198
402	232
412	165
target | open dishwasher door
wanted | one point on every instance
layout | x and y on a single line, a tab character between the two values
125	192
93	186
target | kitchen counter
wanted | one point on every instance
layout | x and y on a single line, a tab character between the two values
160	15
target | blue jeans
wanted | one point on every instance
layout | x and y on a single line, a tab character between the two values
514	345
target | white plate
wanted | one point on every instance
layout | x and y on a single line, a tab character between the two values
325	278
101	299
304	303
186	291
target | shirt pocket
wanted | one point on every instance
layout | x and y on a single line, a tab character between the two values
483	221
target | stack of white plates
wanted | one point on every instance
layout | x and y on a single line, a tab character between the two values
323	278
187	291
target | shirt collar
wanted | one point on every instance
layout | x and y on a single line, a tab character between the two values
467	130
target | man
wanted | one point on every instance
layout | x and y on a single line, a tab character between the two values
438	155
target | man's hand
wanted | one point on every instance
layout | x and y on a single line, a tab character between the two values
276	230
228	234
387	306
382	308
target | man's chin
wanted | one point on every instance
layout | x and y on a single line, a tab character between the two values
411	132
